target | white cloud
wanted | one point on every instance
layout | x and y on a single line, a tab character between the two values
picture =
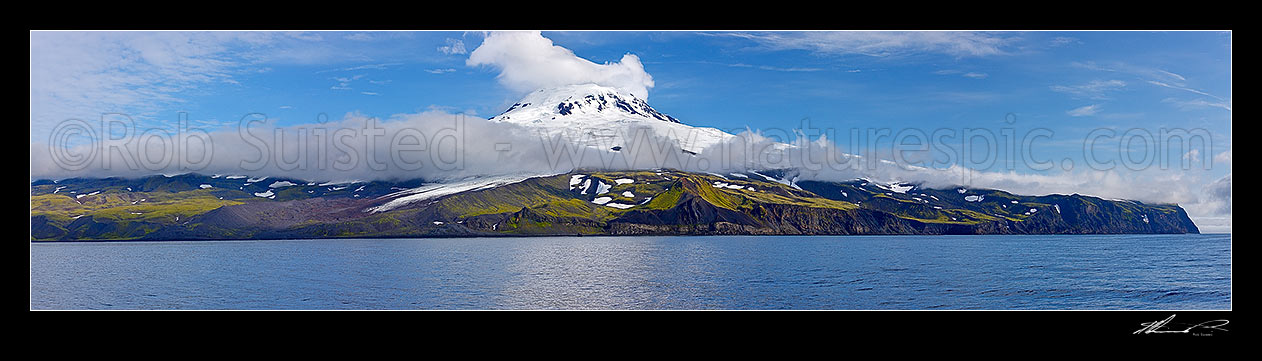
381	66
358	37
1172	75
453	47
1183	88
1064	40
439	71
344	82
1095	89
1213	199
1193	155
528	61
1212	224
882	43
767	67
1084	111
1159	77
1152	184
788	69
84	74
974	75
1224	157
1198	103
471	142
308	36
479	141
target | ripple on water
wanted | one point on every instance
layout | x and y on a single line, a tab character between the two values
783	272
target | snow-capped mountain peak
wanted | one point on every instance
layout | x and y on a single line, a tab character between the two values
580	101
600	116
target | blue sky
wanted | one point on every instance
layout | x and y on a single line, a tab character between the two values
1068	82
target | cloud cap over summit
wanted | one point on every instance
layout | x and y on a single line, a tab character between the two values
528	61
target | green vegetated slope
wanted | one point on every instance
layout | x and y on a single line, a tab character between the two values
660	202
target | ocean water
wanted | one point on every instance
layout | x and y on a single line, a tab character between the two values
720	272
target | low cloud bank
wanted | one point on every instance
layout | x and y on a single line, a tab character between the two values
440	146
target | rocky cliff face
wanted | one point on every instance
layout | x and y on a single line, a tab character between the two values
659	202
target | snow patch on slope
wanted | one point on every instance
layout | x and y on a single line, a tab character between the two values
434	190
281	184
602	188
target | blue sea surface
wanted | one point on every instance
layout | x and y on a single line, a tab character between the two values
1164	272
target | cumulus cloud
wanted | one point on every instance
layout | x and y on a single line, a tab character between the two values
528	61
453	47
1211	209
1218	196
1224	157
